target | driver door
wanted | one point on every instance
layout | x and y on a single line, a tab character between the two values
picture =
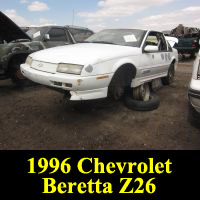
149	60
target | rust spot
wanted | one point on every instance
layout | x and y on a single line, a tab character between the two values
79	81
102	77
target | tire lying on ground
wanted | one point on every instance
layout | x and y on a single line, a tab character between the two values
138	105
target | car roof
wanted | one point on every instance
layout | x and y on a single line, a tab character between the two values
57	26
78	27
47	26
146	30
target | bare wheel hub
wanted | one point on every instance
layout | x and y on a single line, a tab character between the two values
142	92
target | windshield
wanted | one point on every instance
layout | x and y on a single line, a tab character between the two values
124	37
36	32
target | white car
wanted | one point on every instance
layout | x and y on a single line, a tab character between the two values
194	87
105	64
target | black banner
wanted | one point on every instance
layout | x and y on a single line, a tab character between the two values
101	175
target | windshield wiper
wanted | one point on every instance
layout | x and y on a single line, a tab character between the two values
103	42
83	42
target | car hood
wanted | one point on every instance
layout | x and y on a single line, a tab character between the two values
9	31
172	40
85	53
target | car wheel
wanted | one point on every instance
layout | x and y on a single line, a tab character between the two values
150	105
169	79
17	77
180	57
193	116
116	89
142	92
192	56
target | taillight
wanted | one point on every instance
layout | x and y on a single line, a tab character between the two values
194	43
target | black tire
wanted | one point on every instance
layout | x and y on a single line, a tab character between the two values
116	88
150	105
193	116
16	76
19	82
169	79
192	55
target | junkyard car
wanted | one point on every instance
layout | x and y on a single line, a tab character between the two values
188	44
16	45
106	64
194	90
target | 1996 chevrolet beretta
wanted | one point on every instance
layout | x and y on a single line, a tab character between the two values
105	65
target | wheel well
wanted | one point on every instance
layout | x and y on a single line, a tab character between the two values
16	59
127	71
174	61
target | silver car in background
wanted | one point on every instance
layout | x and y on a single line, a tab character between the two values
194	92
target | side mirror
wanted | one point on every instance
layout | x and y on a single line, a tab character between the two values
151	48
46	37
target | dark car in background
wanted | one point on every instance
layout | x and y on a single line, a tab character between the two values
188	44
16	45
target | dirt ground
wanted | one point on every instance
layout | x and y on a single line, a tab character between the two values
39	118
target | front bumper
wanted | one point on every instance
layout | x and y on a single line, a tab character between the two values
80	88
194	94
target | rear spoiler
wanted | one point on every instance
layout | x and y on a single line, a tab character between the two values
172	40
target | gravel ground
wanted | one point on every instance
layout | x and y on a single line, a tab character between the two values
38	118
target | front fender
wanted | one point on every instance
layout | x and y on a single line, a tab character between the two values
175	55
122	62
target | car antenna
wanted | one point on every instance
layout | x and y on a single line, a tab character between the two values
73	18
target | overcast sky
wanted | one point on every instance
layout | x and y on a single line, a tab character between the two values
101	14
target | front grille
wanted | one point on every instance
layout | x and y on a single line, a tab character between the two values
57	83
60	84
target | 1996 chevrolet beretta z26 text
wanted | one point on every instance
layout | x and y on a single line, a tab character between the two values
105	64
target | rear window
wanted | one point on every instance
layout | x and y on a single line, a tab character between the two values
80	34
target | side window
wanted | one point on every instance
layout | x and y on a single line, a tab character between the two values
79	34
57	34
152	40
156	39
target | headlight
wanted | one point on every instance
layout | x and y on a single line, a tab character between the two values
70	69
198	73
29	61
